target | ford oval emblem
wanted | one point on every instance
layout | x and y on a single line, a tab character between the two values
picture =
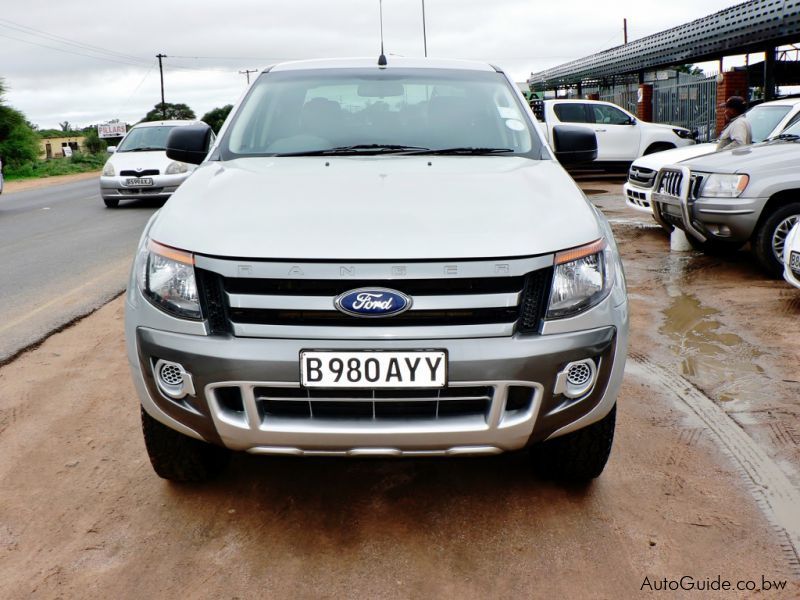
373	302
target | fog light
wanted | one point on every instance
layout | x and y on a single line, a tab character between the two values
576	379
173	379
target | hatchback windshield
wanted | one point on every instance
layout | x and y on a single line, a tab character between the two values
353	111
141	139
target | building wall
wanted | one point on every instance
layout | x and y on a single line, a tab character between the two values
57	144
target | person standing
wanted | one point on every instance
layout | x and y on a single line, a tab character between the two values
738	131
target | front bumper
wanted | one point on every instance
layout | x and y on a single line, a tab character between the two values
724	219
638	198
245	365
163	187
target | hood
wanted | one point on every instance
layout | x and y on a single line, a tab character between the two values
669	157
136	161
379	207
758	158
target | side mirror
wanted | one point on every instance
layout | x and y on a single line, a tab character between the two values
573	144
111	149
190	143
632	121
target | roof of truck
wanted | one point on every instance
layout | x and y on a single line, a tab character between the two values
392	61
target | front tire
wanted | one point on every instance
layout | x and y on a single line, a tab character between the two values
179	458
771	235
578	456
111	202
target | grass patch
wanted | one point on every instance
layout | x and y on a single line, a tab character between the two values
78	163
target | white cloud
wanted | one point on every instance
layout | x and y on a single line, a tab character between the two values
52	86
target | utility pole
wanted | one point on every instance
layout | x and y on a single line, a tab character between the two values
159	56
424	30
247	73
625	29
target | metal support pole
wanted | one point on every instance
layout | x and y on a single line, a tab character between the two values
769	74
159	56
424	30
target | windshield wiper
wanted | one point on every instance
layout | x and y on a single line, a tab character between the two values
145	149
358	149
786	136
470	150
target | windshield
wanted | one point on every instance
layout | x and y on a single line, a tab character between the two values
353	111
141	139
794	130
763	119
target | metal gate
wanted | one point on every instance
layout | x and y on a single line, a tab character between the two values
625	95
690	104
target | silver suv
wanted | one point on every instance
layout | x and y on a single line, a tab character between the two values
726	199
378	260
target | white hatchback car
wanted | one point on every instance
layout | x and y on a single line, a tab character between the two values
139	167
791	257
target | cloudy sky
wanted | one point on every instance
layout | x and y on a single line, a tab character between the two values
90	61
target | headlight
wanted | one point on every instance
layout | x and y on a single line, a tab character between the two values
583	277
108	170
724	186
176	168
166	278
684	134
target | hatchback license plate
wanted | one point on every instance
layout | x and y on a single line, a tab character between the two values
139	181
794	262
373	369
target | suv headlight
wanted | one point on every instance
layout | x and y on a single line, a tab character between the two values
166	277
108	170
176	168
684	134
718	185
583	277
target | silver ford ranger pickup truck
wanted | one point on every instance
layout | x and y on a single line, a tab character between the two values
378	260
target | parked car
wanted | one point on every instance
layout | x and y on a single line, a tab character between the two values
766	120
621	137
378	261
791	257
726	199
139	168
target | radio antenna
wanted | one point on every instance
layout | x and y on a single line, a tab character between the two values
382	57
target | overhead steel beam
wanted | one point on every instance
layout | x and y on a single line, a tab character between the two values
749	27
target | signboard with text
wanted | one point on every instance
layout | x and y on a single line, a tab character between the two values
111	130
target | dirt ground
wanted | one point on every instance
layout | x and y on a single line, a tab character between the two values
82	515
34	184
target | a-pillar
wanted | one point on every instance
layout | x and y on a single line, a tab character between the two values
644	105
734	83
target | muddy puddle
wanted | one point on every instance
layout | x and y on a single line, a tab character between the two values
718	360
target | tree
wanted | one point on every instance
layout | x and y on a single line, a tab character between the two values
19	144
216	117
170	112
92	141
66	126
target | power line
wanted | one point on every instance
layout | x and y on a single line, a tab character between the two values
247	72
67	41
75	53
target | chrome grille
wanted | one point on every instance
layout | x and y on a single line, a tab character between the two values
642	177
285	307
670	183
373	405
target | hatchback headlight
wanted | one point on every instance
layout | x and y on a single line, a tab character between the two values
176	168
108	170
718	185
166	277
582	279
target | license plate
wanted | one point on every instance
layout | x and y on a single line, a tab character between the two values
794	262
373	369
139	181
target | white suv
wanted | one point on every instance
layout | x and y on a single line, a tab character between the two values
766	120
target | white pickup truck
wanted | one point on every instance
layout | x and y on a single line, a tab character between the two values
621	137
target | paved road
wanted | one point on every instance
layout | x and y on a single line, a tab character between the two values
62	254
